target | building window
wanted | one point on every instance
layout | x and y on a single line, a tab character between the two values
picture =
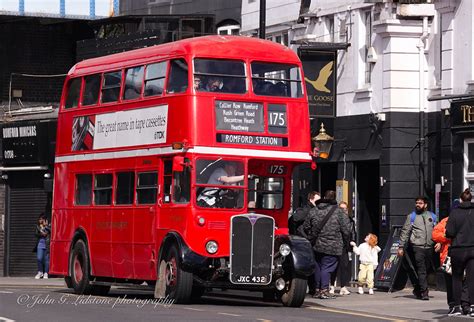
367	15
229	30
440	56
281	38
469	164
330	26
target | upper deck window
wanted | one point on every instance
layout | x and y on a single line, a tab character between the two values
155	79
91	90
274	79
178	79
133	83
111	87
212	75
72	99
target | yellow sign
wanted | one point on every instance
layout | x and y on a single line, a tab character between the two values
467	113
320	83
342	191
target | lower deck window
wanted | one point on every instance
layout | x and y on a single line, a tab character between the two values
103	189
147	187
83	193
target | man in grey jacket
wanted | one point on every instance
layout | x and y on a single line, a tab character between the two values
415	237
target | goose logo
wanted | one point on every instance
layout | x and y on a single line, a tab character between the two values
320	83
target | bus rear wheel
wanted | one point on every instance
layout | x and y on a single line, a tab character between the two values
296	292
80	267
179	283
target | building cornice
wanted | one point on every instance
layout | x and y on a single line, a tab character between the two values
398	28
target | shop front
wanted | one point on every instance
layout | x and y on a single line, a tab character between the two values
27	168
462	128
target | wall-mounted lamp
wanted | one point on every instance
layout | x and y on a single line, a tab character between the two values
5	176
371	55
446	109
382	181
322	143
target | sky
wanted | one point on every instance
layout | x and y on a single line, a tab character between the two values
103	8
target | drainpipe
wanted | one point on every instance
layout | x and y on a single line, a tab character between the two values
421	142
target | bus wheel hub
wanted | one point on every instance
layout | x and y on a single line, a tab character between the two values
171	272
77	270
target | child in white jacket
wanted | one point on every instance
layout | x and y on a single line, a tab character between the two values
368	258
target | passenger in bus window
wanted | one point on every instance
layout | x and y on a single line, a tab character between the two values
214	84
234	85
197	83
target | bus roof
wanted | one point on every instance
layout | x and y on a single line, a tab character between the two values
230	47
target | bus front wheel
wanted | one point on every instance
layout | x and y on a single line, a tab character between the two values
179	283
296	292
80	267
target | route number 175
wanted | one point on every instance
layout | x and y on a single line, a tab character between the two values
277	169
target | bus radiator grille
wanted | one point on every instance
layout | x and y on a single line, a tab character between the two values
251	255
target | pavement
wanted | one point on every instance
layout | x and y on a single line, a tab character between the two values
396	305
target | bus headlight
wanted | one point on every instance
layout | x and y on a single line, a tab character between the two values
280	284
285	250
211	247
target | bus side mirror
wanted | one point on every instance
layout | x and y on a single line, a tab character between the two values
178	164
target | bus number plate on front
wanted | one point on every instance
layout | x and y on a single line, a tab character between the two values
248	279
277	169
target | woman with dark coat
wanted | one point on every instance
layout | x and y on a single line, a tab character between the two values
459	229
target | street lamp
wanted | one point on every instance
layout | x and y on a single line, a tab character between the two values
322	143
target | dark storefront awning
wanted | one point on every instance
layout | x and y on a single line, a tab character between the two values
327	46
450	97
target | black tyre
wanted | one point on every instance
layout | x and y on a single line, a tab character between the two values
296	292
68	281
80	268
179	284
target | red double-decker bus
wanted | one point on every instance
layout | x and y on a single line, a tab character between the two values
173	167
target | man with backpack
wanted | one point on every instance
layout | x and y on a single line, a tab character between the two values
415	238
295	223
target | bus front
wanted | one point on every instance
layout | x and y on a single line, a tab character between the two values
252	130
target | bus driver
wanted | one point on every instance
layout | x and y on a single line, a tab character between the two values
220	176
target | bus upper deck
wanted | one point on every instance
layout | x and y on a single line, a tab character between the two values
213	94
